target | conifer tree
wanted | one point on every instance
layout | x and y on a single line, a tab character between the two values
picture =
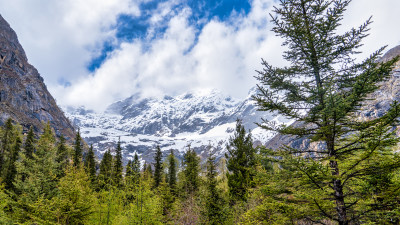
240	162
157	167
118	168
90	164
172	172
323	89
191	170
7	141
29	145
62	157
129	172
40	183
78	149
214	202
136	168
106	170
10	169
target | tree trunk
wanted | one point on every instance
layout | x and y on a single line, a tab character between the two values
338	193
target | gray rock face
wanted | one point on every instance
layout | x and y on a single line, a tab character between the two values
23	95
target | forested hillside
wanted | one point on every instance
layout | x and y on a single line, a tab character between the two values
351	175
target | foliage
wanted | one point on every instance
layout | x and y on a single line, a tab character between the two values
157	167
326	81
240	162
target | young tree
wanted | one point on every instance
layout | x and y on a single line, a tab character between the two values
191	170
118	168
29	145
172	172
323	89
62	157
40	183
157	167
78	149
106	171
240	162
76	200
214	202
136	168
91	165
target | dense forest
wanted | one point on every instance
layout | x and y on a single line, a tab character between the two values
351	176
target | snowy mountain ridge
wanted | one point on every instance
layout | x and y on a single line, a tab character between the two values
199	119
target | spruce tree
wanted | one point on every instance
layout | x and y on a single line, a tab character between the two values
78	149
90	164
157	167
118	168
7	140
10	170
62	157
129	172
191	170
29	145
106	170
172	172
214	202
240	162
136	168
323	89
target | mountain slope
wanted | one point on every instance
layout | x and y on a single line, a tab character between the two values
198	119
23	94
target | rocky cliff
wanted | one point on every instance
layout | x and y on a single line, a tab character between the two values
23	95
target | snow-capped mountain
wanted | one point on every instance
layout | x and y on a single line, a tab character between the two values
200	119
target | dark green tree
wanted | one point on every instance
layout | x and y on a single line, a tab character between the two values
191	170
214	202
29	145
172	171
323	89
157	167
90	165
10	170
241	162
106	171
78	149
62	157
136	168
7	140
118	167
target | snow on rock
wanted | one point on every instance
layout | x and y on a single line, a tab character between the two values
198	119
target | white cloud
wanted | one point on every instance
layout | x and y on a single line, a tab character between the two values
61	37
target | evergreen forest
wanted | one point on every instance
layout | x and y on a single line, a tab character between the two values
350	176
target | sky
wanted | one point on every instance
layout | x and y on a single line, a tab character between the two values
95	52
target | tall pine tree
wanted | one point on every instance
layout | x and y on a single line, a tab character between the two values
240	162
78	149
62	157
90	165
323	89
157	167
191	170
118	168
172	171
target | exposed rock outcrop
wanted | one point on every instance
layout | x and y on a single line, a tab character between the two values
23	94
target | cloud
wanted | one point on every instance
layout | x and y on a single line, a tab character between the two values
180	52
222	56
61	37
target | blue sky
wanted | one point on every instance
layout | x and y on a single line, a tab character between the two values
95	52
131	27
